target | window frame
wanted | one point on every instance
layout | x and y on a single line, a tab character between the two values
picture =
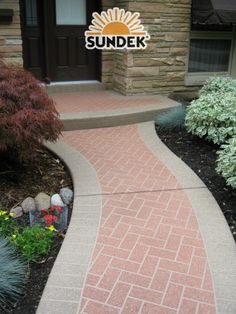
198	78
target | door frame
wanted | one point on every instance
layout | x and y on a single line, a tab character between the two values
42	6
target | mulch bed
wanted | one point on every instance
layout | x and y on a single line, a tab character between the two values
46	173
201	156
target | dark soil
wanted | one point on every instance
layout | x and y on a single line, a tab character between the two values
201	156
45	173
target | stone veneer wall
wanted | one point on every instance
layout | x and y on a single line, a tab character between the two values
162	66
10	35
107	62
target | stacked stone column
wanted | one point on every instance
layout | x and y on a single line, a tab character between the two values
10	35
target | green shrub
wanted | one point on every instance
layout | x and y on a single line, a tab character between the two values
12	275
218	85
7	225
226	163
212	116
34	242
172	119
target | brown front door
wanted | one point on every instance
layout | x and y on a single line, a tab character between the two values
53	39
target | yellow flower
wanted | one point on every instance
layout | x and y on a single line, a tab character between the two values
3	213
12	214
13	236
51	228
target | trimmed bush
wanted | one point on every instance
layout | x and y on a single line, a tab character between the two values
12	275
27	115
172	119
226	163
218	85
212	116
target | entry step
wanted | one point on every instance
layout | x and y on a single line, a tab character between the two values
70	87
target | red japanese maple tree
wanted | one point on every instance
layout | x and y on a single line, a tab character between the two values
27	114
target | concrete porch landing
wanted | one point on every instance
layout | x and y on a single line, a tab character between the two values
86	110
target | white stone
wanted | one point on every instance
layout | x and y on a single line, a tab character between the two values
56	200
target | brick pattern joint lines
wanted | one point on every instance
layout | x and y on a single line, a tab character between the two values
149	255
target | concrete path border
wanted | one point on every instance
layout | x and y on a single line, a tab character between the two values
65	283
219	243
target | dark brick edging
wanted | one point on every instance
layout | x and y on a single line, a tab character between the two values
219	243
62	293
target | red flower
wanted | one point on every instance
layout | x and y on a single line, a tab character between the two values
44	211
50	219
56	208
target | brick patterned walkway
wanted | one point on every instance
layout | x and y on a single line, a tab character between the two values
99	101
149	256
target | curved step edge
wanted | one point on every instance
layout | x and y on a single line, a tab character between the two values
117	117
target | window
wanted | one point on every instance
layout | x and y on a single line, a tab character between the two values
209	55
71	12
212	50
31	12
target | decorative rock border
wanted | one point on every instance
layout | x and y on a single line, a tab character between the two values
65	283
219	243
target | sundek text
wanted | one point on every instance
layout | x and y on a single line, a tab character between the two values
116	42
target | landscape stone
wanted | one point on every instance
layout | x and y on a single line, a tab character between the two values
66	195
57	201
42	200
18	211
28	205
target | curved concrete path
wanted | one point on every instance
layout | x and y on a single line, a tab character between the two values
160	242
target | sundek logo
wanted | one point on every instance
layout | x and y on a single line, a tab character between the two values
116	29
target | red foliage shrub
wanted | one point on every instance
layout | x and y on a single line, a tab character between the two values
27	115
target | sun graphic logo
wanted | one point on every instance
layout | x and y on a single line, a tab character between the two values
116	29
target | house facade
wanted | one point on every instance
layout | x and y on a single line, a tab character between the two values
187	45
